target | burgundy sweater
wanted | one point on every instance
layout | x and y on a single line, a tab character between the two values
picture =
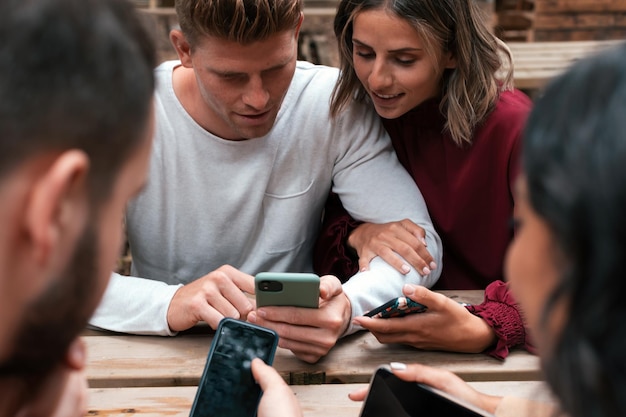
469	194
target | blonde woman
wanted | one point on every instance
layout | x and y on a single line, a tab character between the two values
430	69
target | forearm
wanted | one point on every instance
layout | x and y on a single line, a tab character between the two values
135	305
369	289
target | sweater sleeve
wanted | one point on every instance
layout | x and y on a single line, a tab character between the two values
502	313
331	255
135	305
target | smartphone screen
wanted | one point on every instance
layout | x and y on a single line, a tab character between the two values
391	396
227	387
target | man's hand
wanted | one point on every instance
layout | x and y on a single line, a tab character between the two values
441	379
446	325
277	400
309	333
389	240
216	295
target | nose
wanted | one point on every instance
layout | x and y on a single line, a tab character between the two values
380	75
256	94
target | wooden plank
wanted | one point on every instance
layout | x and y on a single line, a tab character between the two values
579	35
124	360
118	361
315	400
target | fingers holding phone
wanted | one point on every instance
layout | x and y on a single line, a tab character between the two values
277	400
220	293
308	332
418	390
227	386
445	325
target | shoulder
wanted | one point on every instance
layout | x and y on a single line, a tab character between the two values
509	114
513	103
316	75
165	67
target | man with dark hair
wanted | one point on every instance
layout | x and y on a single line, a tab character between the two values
76	122
245	154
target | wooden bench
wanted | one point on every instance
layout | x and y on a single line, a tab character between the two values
315	400
535	63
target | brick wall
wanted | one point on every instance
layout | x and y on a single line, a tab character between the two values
573	20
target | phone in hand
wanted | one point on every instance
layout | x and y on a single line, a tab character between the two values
287	289
391	396
227	387
397	307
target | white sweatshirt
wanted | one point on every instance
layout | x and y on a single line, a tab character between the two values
257	204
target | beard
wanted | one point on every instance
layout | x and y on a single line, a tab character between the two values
58	316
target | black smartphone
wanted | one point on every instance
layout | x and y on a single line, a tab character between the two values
227	387
391	396
397	307
299	289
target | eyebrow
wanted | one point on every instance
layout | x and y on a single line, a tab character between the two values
236	73
396	51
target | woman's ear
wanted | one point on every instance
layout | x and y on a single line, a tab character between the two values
449	60
56	210
182	47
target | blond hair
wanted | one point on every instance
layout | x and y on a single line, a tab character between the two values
242	21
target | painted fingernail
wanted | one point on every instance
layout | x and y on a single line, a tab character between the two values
408	290
426	271
398	366
433	265
406	268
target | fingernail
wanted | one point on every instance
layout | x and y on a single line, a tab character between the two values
251	317
408	290
424	242
433	265
363	269
406	268
426	271
398	366
261	313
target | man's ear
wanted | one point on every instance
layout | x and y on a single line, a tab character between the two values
299	26
182	47
56	210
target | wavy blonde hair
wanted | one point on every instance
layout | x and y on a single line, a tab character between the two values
469	91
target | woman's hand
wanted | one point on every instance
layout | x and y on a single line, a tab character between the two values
389	240
441	379
445	325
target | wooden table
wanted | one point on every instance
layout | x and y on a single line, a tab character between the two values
535	63
132	361
151	375
150	361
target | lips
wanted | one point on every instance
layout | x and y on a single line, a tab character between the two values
255	116
386	96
